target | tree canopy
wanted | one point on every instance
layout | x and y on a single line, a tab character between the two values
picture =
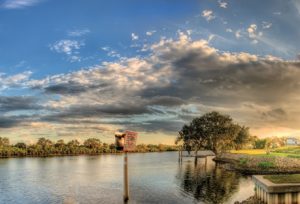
213	131
91	146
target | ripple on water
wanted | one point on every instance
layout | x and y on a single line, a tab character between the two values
154	178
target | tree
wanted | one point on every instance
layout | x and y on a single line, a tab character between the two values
4	142
112	147
44	142
92	143
73	143
21	145
242	138
60	143
260	143
212	131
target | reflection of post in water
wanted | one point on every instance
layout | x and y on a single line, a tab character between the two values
180	154
201	157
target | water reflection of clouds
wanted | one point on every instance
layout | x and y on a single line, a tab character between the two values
154	178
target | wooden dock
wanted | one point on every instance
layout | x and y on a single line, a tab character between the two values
192	154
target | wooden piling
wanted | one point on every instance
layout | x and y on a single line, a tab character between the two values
126	186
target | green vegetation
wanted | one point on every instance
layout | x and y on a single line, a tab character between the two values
265	165
260	143
213	131
46	147
286	178
243	161
291	152
288	150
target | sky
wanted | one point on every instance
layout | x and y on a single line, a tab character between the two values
79	69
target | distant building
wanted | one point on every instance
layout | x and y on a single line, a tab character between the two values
292	141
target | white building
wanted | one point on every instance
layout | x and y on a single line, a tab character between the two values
292	141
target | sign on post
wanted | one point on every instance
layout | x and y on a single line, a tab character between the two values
129	138
130	141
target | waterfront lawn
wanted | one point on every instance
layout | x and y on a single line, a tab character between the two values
286	178
292	152
249	151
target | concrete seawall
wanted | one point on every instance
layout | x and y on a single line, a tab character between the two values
271	193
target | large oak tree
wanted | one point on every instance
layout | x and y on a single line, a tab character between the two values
213	131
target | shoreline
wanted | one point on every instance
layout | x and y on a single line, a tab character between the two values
74	155
250	165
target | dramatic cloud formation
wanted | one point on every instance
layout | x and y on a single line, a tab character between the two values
179	80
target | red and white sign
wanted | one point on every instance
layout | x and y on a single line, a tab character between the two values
130	140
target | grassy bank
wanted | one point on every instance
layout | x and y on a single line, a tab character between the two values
292	152
259	161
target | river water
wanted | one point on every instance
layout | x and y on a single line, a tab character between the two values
154	178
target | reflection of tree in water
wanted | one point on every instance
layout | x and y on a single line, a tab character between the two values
210	184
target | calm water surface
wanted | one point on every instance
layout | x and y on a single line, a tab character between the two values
154	178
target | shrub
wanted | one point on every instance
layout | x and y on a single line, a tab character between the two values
243	161
294	156
265	165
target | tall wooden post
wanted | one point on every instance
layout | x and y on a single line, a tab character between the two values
126	141
126	186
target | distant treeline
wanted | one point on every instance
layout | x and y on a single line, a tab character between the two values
45	147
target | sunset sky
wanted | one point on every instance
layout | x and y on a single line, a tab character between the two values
79	69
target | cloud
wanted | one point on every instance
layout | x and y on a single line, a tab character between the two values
229	30
208	15
134	36
222	4
111	53
266	25
19	4
238	34
69	47
6	122
275	114
179	79
14	81
210	38
71	88
149	33
15	103
167	101
253	33
78	33
66	46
